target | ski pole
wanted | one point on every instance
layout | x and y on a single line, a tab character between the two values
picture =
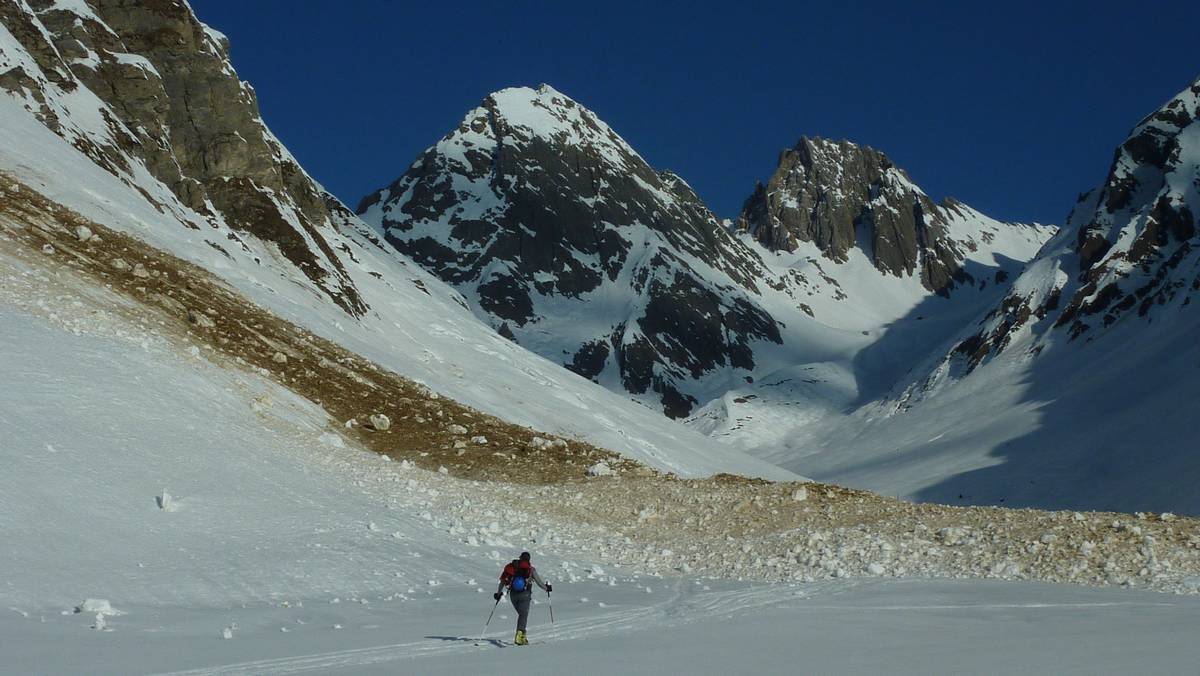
551	607
489	620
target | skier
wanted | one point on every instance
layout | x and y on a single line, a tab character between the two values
515	578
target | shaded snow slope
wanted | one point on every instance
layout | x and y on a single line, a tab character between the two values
1078	388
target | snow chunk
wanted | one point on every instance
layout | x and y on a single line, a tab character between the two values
600	469
98	606
332	440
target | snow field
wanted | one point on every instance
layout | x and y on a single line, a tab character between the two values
312	556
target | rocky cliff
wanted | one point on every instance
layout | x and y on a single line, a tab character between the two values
143	87
839	196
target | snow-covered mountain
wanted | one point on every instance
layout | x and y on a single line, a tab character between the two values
1127	253
131	115
568	242
1078	387
183	310
565	240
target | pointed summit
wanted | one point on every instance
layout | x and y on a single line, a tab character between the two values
565	240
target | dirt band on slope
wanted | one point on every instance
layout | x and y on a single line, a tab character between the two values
428	430
721	526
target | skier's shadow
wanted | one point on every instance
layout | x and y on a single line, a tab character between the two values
470	639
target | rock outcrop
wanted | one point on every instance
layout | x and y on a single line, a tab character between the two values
839	195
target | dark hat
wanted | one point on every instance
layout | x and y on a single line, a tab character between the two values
524	556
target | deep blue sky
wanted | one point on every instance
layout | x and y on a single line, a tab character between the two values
1013	107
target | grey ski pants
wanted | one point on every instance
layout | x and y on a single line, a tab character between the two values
521	601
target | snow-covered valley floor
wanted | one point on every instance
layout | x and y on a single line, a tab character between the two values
681	626
201	501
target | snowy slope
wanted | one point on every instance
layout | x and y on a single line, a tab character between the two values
313	556
1077	389
871	331
66	143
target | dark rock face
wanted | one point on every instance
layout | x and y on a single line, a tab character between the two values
533	202
1130	247
173	103
839	195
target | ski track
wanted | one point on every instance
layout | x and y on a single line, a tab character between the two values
682	607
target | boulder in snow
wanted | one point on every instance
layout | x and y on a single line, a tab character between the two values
83	233
379	422
200	319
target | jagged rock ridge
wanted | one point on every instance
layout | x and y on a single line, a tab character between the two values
1129	246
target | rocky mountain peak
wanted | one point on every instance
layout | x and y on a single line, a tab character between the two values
568	242
840	195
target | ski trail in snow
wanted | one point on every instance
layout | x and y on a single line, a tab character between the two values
997	606
683	606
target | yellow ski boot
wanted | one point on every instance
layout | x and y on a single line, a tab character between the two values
520	639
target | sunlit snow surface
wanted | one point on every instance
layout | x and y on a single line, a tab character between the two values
286	545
